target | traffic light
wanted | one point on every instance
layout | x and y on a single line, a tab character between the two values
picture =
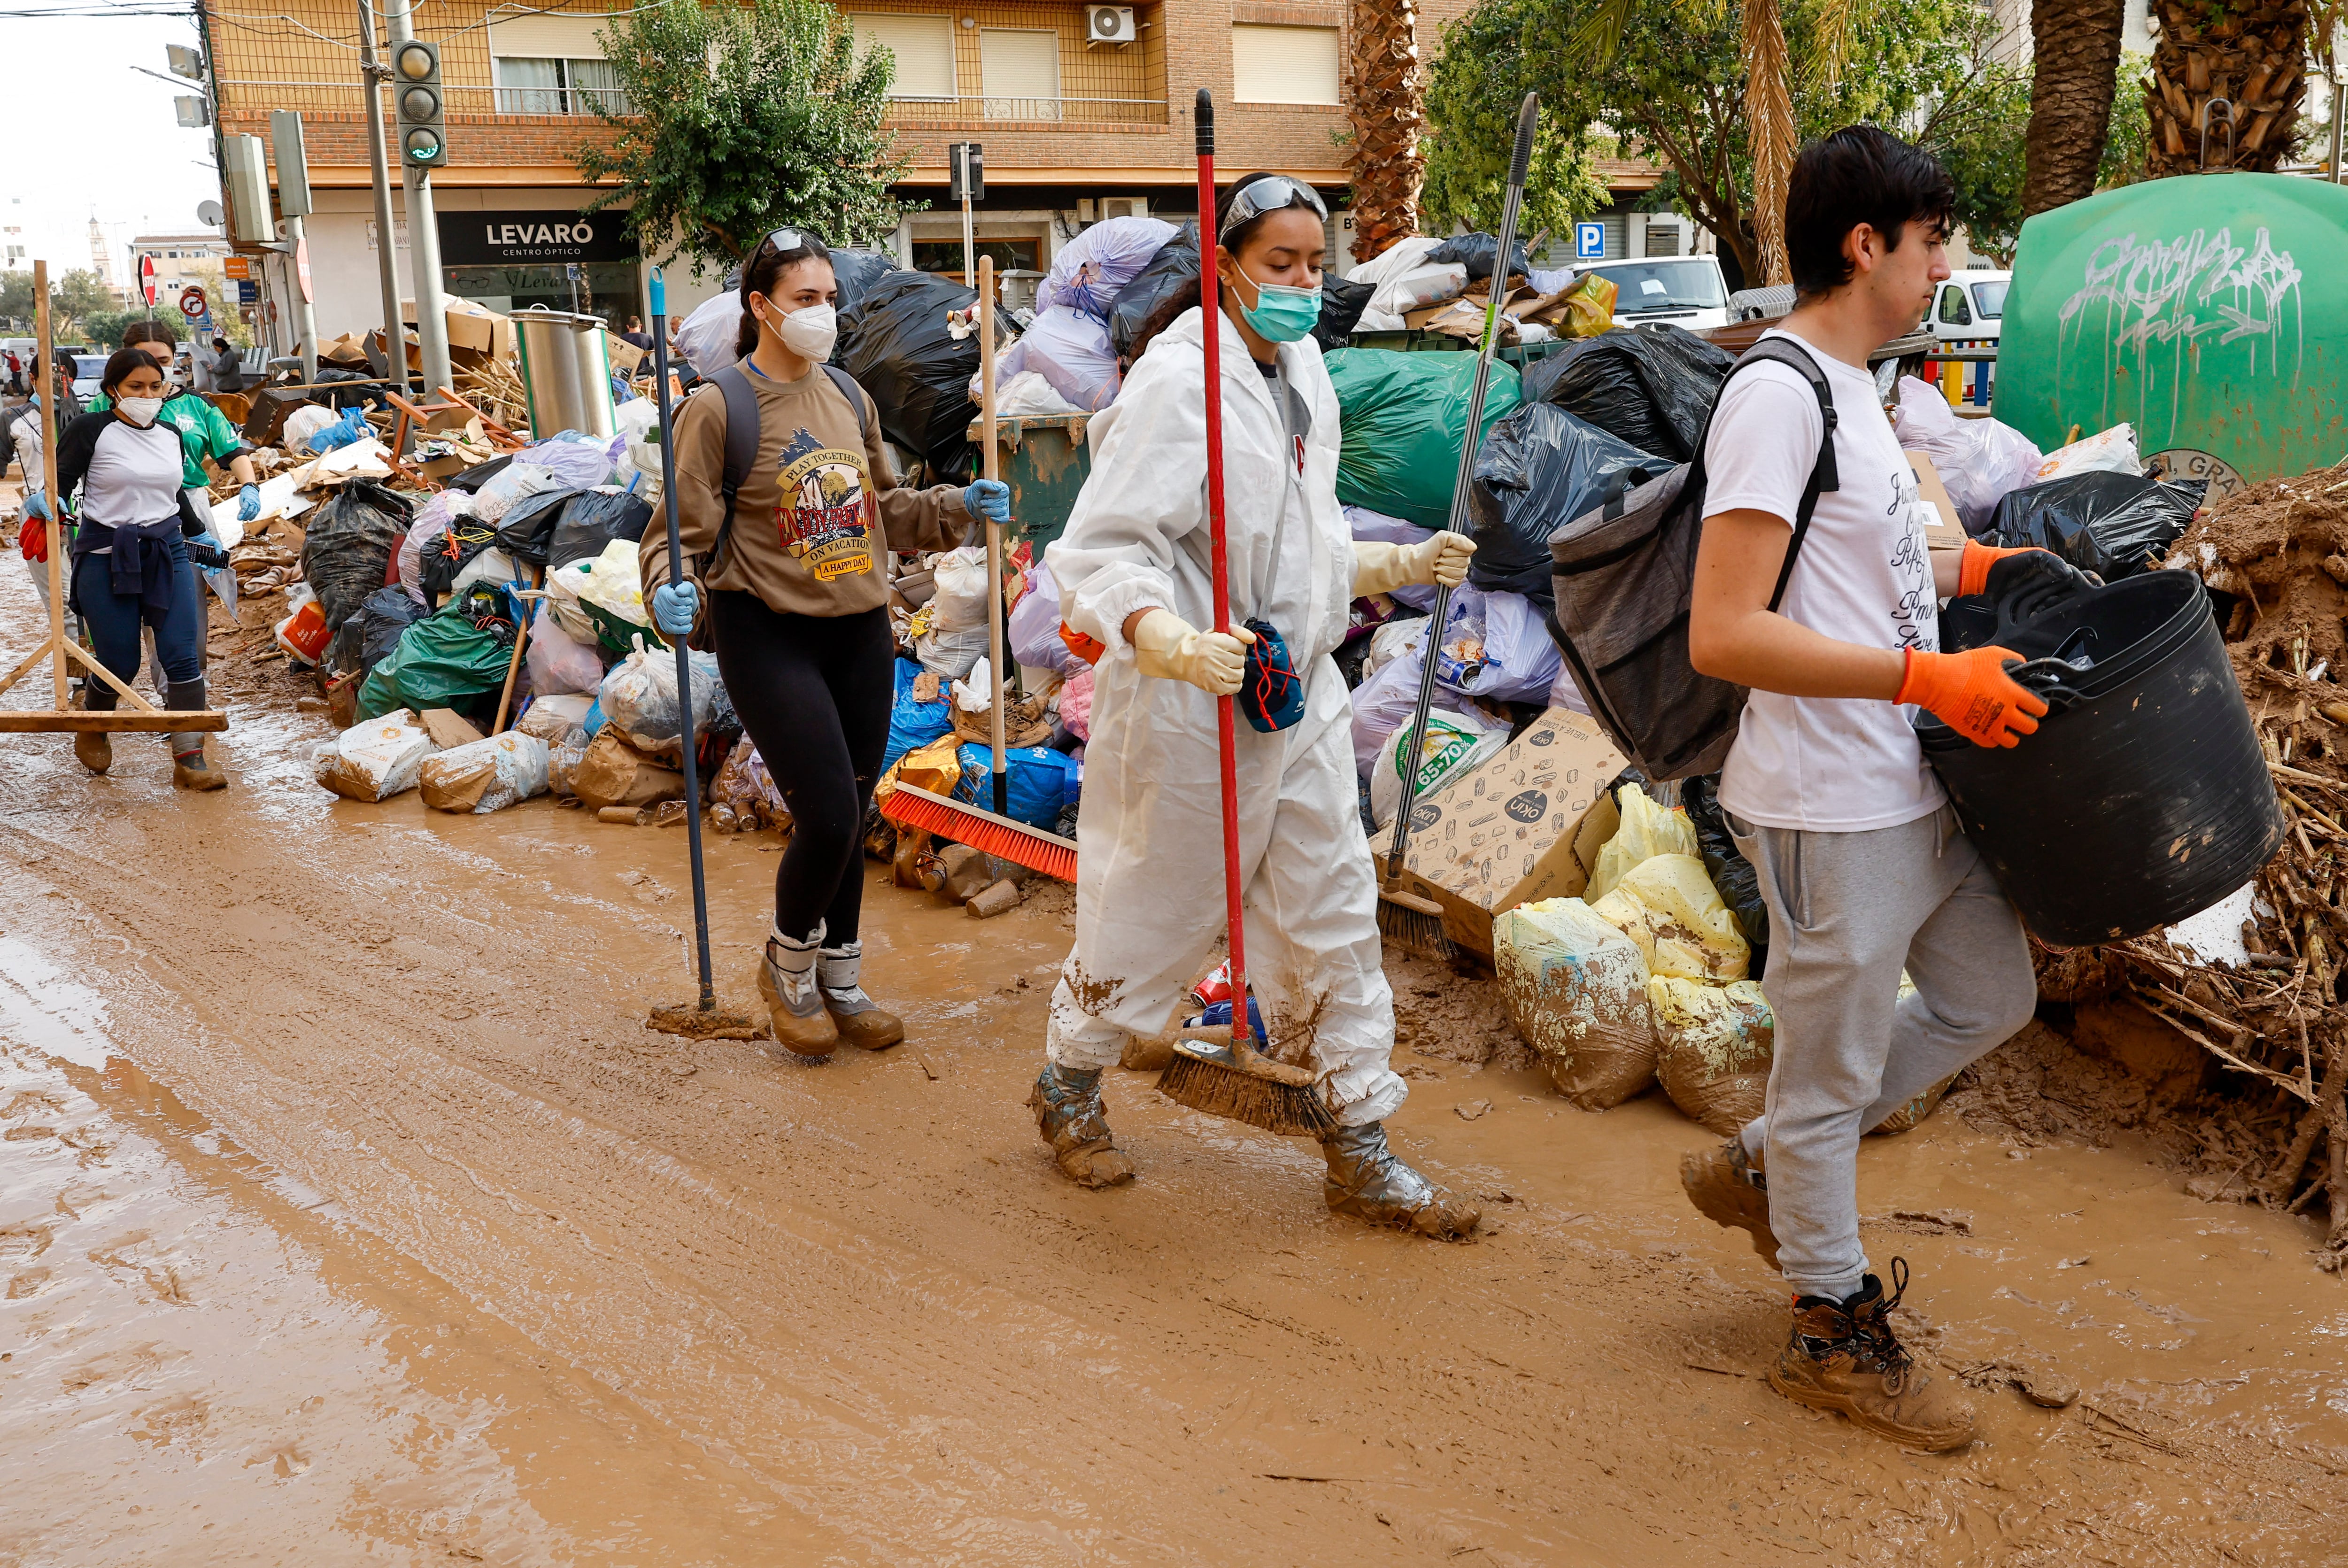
416	89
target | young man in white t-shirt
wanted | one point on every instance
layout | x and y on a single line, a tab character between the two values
1826	790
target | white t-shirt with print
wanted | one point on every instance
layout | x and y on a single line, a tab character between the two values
1828	764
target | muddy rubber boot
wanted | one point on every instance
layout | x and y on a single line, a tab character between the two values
1072	1119
1368	1180
1729	1188
787	980
191	763
1843	1356
853	1014
92	749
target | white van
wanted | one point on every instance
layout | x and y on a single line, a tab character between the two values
1969	306
1686	291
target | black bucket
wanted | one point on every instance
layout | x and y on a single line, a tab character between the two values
2144	797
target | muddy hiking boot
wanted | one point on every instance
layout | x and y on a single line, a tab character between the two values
1368	1180
192	764
1842	1356
1071	1119
837	972
787	980
1729	1188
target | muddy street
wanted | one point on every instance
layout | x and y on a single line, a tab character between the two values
347	1212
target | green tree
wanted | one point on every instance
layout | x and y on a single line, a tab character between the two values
1979	133
75	297
1670	87
17	301
742	119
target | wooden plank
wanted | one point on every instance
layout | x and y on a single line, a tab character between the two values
33	721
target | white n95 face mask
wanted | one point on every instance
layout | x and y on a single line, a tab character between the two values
810	333
141	411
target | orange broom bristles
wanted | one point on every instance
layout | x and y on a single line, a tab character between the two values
1048	854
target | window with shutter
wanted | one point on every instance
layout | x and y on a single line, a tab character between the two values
1284	64
923	47
1020	73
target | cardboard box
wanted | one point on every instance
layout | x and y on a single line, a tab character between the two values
346	353
473	330
1951	533
1525	825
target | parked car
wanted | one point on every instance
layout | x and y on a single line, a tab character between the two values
1686	291
88	369
1969	305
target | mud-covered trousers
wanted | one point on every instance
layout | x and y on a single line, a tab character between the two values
1847	913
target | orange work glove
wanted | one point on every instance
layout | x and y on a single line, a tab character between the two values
1973	695
1973	567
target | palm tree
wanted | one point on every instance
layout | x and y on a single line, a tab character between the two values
1769	125
2253	56
2077	48
1387	107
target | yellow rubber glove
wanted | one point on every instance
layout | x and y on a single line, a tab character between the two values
1383	568
1169	647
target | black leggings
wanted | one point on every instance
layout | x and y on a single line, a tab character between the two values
814	693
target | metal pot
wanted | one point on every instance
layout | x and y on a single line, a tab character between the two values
566	372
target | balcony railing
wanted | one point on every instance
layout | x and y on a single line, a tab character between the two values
578	103
976	107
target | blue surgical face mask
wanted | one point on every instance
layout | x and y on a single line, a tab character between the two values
1281	314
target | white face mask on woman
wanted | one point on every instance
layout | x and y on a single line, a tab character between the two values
810	331
141	411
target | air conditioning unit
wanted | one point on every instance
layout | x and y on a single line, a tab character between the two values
1108	25
1091	211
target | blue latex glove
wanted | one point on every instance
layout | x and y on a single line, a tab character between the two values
36	504
674	606
248	503
988	498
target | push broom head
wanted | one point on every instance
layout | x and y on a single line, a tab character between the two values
1414	924
1240	1082
698	1023
1048	854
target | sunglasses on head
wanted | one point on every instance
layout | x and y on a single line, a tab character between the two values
1272	195
782	242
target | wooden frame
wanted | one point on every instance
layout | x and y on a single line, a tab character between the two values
141	715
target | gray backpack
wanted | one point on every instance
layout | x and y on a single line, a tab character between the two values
1624	575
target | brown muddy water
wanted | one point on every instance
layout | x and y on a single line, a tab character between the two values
348	1214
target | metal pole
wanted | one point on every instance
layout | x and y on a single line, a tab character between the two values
2336	108
306	316
423	239
969	247
659	301
395	341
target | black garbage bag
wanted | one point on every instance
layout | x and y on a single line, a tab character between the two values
594	521
526	533
387	613
896	345
1342	301
856	271
1652	385
2113	525
1176	263
449	553
471	480
1538	470
347	550
1475	252
1739	883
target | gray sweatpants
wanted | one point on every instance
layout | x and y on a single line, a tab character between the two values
1847	913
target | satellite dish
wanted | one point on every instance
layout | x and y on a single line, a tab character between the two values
212	214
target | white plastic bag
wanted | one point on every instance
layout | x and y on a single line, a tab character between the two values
707	337
1455	744
1388	698
960	601
1071	352
1033	629
484	776
303	423
1979	460
639	698
577	461
492	566
432	521
1520	658
558	661
1424	286
1575	990
375	760
1027	395
611	582
952	653
512	482
1093	269
2113	451
974	693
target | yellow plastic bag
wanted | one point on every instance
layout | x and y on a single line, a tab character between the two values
1589	306
1714	1044
1575	990
936	767
1647	831
1669	907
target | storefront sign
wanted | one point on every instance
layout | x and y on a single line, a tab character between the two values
534	239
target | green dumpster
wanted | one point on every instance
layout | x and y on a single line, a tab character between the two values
2185	307
1045	461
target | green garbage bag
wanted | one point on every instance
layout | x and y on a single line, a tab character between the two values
440	660
1401	418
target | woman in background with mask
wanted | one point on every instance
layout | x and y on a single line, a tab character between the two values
1133	570
786	582
130	561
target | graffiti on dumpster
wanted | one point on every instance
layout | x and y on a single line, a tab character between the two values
2198	290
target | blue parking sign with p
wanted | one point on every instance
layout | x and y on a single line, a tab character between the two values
1589	241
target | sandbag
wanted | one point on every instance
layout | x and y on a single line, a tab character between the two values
1648	830
1038	781
594	523
553	716
610	772
912	721
375	759
1402	419
527	529
1652	387
557	661
2112	524
346	551
440	661
1712	1049
1575	990
1453	746
1980	461
1538	470
386	615
484	776
563	754
639	699
896	343
1734	876
1670	908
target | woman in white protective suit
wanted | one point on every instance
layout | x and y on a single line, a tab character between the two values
1134	574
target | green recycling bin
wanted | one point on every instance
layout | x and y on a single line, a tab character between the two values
1045	461
2190	307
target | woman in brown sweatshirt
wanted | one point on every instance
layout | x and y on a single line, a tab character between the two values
792	594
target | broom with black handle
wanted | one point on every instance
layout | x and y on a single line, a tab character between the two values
1414	921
